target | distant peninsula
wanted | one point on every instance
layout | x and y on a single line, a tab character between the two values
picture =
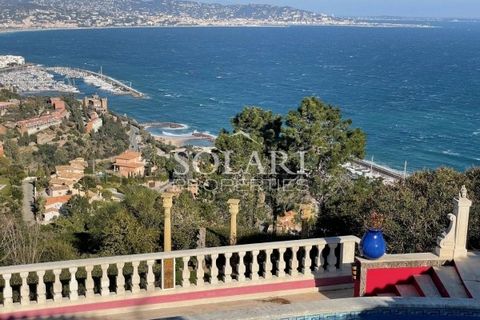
62	14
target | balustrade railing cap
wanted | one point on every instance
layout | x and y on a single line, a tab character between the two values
46	266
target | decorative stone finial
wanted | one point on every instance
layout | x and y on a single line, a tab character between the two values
463	193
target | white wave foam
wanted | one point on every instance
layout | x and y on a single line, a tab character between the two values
450	153
187	135
170	134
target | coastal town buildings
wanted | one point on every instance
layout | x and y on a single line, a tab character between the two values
32	126
35	125
94	122
67	176
11	61
129	164
53	205
58	104
97	104
62	187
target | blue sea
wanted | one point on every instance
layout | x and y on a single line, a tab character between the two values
414	91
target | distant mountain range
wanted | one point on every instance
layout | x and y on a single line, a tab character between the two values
110	13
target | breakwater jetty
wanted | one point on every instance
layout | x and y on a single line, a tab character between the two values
164	125
97	79
371	169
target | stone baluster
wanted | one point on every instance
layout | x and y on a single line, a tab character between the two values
281	263
120	279
319	261
307	261
214	270
135	277
89	284
347	255
105	282
24	290
200	270
332	258
241	266
73	295
268	264
228	268
294	261
7	291
41	288
57	285
150	276
255	265
185	273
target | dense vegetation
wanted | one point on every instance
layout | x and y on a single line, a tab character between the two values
415	209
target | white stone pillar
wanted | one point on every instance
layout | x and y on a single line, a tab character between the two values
105	282
41	288
294	261
307	261
214	269
241	266
200	270
255	265
7	291
319	263
24	290
185	273
73	284
332	258
57	286
89	283
268	264
120	279
462	212
150	276
281	265
228	268
135	277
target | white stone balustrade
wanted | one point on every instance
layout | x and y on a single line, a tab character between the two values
122	276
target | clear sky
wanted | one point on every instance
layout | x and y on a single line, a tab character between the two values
404	8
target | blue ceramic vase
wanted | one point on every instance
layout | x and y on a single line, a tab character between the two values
373	244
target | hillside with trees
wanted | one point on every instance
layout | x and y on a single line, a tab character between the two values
415	209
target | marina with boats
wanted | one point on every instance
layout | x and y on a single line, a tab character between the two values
97	79
30	78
